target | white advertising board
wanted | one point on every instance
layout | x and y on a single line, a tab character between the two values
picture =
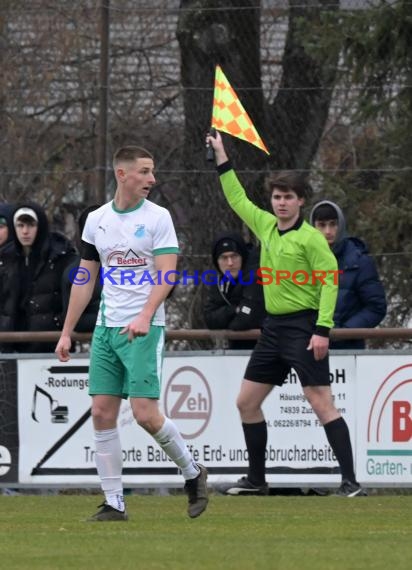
384	420
199	394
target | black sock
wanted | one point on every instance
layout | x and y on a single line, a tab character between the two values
338	436
256	437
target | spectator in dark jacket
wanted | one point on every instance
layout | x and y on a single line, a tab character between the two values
6	241
87	321
361	299
236	304
5	225
31	296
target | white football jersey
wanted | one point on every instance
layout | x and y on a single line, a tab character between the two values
127	243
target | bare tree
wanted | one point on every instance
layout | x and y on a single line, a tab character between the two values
211	33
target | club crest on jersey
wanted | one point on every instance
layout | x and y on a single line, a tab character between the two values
128	259
139	230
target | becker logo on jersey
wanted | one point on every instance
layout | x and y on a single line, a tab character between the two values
128	259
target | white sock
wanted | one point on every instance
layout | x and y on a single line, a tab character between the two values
172	443
109	466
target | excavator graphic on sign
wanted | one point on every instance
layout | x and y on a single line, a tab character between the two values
59	414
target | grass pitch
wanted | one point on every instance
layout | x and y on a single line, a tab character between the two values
239	533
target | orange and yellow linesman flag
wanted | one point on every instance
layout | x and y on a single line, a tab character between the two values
229	114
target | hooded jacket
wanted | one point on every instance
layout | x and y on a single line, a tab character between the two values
361	301
5	212
87	320
31	286
240	305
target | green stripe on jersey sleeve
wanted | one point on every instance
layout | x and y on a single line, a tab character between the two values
164	250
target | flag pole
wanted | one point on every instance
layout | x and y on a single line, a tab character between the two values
210	153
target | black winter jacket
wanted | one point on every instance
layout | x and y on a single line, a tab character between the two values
237	306
31	287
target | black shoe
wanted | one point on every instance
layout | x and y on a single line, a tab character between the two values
243	487
108	513
351	489
196	490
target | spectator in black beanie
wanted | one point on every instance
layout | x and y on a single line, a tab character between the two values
235	303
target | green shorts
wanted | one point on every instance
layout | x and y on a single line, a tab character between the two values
122	368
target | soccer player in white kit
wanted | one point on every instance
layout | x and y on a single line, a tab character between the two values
132	244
